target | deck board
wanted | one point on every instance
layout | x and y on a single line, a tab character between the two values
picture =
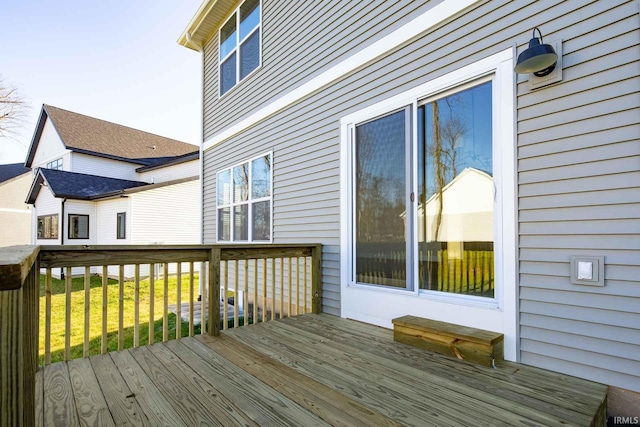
311	370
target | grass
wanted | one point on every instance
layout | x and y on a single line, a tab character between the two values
95	324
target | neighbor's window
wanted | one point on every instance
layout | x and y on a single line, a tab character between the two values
78	226
121	226
240	49
48	227
56	164
244	201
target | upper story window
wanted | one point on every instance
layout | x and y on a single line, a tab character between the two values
78	226
56	164
244	201
48	227
240	44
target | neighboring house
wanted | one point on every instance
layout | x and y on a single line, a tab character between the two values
97	183
15	215
323	123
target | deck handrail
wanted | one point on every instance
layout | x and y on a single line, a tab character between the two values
225	267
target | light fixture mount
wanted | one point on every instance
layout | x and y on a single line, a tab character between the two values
539	59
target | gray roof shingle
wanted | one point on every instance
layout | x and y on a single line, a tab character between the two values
12	170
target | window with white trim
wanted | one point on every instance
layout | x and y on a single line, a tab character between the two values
244	201
240	45
55	165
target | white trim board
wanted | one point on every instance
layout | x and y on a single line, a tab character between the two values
422	23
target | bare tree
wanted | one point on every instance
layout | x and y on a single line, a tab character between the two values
13	109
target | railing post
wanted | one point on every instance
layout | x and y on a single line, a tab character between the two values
316	279
19	295
214	291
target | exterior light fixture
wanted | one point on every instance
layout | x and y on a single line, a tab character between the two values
539	59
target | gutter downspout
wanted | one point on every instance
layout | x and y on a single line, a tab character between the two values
203	270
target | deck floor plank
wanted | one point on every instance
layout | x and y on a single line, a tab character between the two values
393	399
91	406
333	407
424	386
195	406
59	404
259	401
513	381
309	370
152	402
122	403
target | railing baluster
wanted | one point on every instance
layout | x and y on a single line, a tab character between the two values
236	300
316	279
255	291
179	301
121	307
304	276
47	318
245	302
297	286
290	283
165	305
225	296
273	288
202	280
105	301
281	288
191	298
152	298
136	306
67	318
87	310
264	289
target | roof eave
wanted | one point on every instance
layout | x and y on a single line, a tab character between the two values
190	36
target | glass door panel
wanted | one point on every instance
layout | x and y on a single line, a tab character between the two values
456	193
381	201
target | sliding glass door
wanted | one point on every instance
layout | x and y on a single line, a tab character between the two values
381	147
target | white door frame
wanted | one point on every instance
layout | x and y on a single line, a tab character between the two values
378	305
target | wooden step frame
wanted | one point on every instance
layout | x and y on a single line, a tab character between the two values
465	343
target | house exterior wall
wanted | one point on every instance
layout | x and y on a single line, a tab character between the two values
50	148
578	153
15	214
158	216
79	207
170	173
93	165
106	218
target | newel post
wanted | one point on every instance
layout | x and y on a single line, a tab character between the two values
19	295
316	279
214	291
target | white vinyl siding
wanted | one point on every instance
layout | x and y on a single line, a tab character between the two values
46	204
106	212
100	166
578	154
170	173
160	216
50	148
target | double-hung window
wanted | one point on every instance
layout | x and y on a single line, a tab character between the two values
244	201
78	226
240	44
48	227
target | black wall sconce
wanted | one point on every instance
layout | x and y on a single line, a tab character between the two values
539	59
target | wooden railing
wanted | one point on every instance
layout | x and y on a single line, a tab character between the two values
257	283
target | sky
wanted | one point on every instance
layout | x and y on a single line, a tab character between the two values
113	60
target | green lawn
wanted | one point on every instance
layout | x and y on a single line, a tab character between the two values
95	323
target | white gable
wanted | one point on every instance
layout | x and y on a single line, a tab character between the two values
50	147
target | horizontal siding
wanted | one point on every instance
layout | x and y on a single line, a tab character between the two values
578	153
579	194
92	165
107	214
170	173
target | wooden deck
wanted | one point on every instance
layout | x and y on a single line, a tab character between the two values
305	371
